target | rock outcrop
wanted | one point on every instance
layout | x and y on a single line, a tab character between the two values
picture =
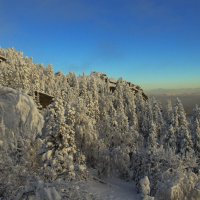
18	115
113	84
2	59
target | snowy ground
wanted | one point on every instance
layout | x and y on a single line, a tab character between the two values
112	189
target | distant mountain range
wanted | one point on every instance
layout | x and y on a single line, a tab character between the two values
173	92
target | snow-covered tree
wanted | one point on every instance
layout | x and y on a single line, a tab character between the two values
158	120
49	80
59	141
194	120
196	136
152	138
146	123
196	113
93	100
86	134
170	138
170	134
184	140
169	114
140	108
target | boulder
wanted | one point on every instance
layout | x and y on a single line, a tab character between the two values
19	116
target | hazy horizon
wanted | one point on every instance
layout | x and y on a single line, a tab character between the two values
173	89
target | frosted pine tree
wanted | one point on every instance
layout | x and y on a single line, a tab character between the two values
140	109
21	73
26	67
59	142
10	72
72	80
170	138
41	75
122	139
4	75
60	83
130	110
49	80
86	134
147	122
152	138
119	117
130	107
83	87
169	114
170	132
184	140
158	120
195	114
20	70
79	157
104	125
93	101
105	128
195	129
196	136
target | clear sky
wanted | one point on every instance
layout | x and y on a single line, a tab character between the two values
153	43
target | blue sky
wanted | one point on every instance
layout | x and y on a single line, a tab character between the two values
153	43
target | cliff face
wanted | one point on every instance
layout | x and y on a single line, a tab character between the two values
2	59
113	84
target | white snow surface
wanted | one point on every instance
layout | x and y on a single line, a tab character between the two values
91	189
110	188
113	189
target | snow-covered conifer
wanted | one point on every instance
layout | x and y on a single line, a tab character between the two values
158	120
86	134
152	139
196	136
184	140
170	138
59	141
49	80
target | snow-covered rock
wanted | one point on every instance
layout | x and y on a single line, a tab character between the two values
19	116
